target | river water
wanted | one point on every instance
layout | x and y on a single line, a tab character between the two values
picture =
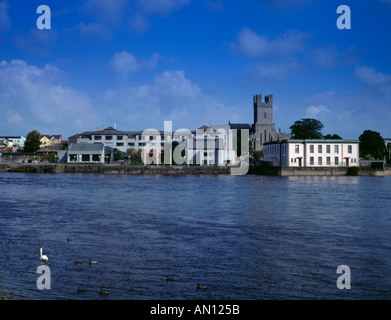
244	237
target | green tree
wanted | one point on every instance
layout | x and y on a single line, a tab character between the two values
33	141
307	129
332	137
118	156
134	155
372	144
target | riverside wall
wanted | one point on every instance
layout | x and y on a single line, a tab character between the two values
181	170
113	169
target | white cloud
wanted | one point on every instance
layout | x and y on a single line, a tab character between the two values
161	7
171	96
252	45
153	62
35	98
123	63
371	77
315	112
5	21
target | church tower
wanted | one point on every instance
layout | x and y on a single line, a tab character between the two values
263	129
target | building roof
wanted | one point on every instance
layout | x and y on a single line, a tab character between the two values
313	141
240	126
86	147
12	137
49	136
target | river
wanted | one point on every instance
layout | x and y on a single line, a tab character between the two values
244	237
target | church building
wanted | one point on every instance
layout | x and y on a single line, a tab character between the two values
263	129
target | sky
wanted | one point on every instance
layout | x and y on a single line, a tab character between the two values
138	63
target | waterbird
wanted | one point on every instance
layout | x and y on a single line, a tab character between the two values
103	292
170	278
69	239
42	257
77	261
201	286
81	290
92	261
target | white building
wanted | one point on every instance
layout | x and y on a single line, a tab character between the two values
312	153
205	146
85	153
211	146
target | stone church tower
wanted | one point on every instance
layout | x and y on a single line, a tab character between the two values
263	128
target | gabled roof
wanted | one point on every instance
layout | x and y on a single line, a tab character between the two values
86	147
240	126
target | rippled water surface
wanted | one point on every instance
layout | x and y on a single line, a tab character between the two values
245	237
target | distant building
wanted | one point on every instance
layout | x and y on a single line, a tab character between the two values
86	153
73	139
312	153
17	141
49	140
5	143
124	140
263	128
211	146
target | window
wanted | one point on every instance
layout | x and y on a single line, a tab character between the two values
141	144
336	161
131	144
320	161
96	157
328	161
319	148
109	137
119	137
73	157
85	157
349	148
297	148
205	154
336	149
98	137
120	144
328	148
311	148
311	161
150	138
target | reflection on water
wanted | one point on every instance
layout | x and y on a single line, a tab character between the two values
245	237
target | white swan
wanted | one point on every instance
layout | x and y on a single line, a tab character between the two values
42	257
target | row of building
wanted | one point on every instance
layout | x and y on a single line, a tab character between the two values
207	145
15	143
218	144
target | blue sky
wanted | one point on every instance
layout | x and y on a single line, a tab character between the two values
138	63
